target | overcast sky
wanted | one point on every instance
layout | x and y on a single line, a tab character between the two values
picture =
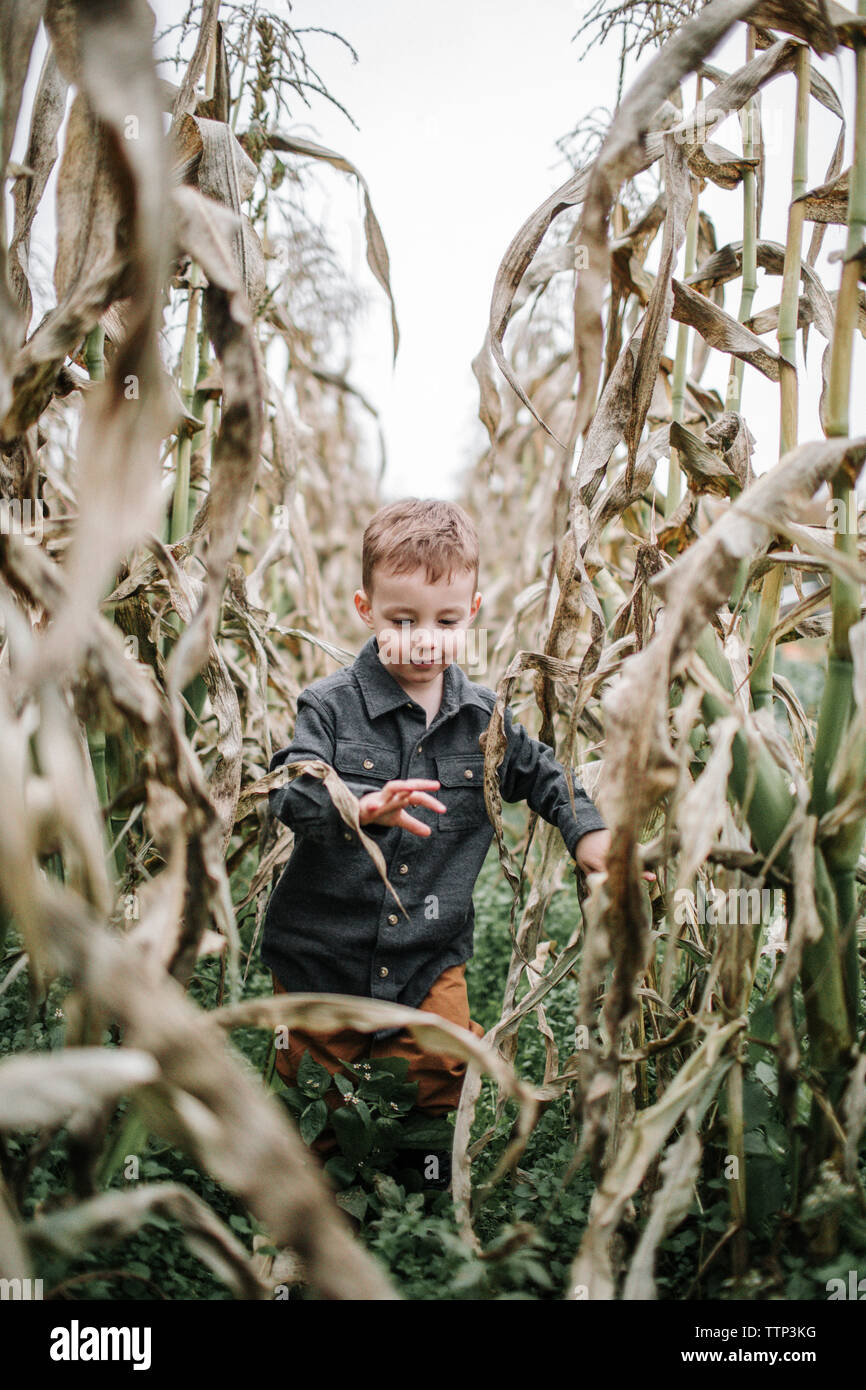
459	107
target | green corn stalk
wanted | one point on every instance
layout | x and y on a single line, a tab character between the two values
749	282
761	679
180	500
100	745
760	787
837	705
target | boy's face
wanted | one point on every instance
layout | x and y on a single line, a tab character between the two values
416	623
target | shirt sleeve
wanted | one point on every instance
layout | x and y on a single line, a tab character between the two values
305	804
531	773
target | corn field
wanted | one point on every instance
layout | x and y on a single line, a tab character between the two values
183	506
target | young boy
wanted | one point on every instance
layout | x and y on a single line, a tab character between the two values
401	726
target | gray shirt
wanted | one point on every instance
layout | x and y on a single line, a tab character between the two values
331	923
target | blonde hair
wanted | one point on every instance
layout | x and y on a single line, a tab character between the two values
404	535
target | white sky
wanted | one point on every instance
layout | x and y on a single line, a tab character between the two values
459	108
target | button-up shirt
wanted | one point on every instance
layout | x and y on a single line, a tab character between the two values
331	923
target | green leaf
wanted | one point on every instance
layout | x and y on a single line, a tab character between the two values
343	1084
765	1189
398	1067
313	1121
423	1132
354	1201
313	1079
767	1076
754	1142
295	1099
377	1088
762	1021
387	1133
757	1107
340	1171
353	1135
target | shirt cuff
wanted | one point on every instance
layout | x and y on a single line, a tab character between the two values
586	818
309	810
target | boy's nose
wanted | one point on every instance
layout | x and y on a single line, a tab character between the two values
422	648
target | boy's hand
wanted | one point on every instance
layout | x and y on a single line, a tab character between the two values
591	853
387	806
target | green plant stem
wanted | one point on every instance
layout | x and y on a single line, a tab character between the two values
837	704
129	1141
180	501
750	237
97	742
761	678
756	780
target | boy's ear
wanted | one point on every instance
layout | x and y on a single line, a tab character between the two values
476	604
362	606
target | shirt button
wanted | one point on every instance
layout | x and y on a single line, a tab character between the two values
404	869
420	750
383	972
469	772
347	834
368	762
393	920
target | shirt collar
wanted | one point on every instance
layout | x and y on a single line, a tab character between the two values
382	692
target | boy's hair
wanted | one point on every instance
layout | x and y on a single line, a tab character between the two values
404	535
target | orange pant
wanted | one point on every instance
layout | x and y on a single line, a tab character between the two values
439	1075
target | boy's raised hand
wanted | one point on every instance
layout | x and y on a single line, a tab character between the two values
387	807
591	853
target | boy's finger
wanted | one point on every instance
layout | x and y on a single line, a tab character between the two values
395	789
410	823
410	797
425	799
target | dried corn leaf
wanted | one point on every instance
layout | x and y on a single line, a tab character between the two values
706	468
679	1172
821	23
213	159
722	331
185	98
43	1092
678	192
828	203
377	251
115	1216
49	108
698	1078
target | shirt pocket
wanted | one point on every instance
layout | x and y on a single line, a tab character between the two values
461	778
366	764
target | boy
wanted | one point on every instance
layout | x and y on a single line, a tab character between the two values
401	726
